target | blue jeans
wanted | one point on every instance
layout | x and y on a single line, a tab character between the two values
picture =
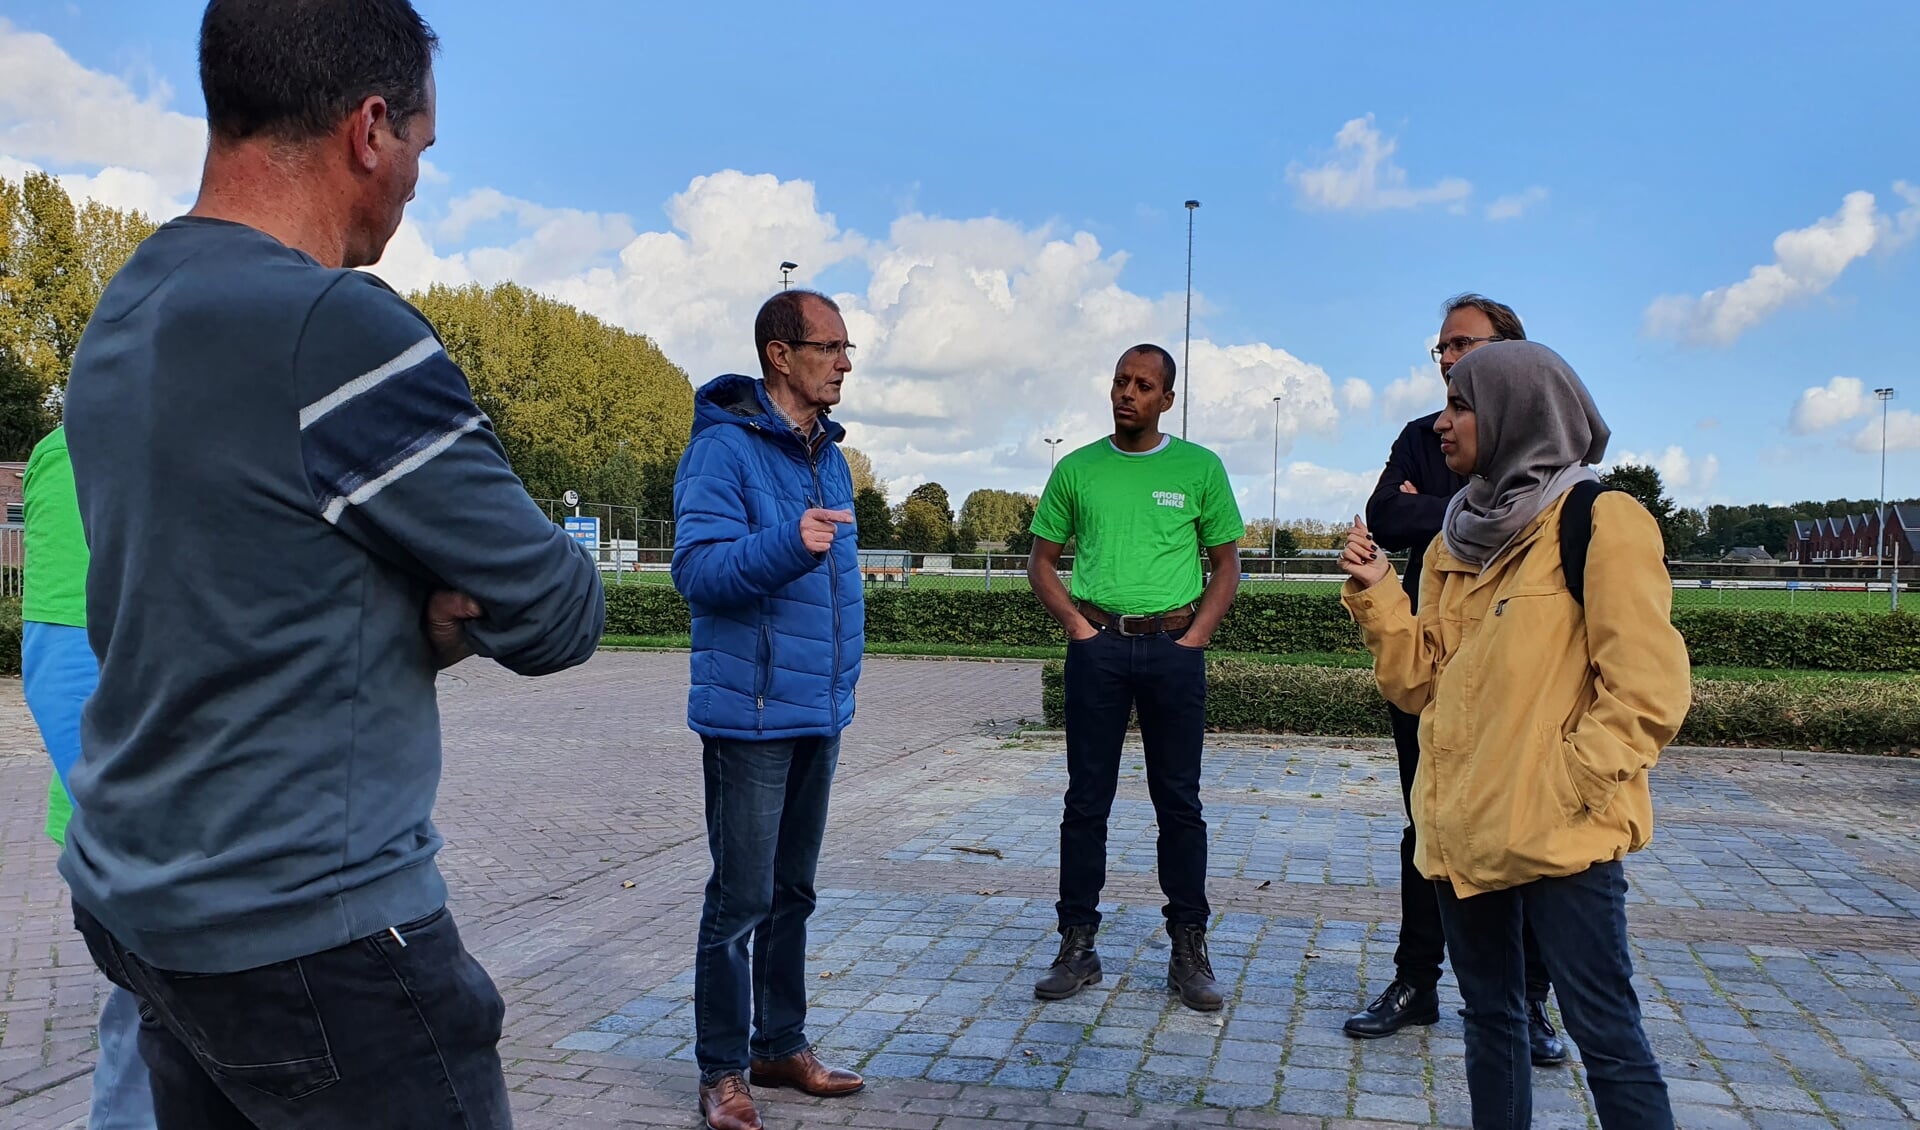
398	1029
1109	676
766	816
122	1095
57	674
1581	922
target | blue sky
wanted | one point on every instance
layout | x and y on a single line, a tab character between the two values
995	191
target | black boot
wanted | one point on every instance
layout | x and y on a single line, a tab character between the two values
1401	1005
1547	1047
1190	971
1076	967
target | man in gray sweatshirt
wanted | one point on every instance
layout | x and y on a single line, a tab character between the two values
297	516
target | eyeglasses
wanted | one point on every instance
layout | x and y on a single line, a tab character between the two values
1460	345
844	348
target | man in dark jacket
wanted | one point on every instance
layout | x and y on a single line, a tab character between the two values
765	553
1406	511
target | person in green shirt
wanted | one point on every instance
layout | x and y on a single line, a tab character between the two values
57	673
1142	506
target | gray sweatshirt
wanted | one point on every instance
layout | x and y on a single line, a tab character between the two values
277	464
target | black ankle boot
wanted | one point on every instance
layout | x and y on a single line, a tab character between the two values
1190	970
1076	967
1401	1005
1545	1044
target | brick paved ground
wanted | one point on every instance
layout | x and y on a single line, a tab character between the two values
1776	923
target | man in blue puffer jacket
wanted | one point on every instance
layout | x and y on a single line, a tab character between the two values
765	553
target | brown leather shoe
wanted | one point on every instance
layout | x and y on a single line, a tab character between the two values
803	1071
727	1104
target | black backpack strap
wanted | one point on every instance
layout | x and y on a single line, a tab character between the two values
1576	532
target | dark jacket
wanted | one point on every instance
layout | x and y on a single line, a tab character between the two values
1399	520
777	631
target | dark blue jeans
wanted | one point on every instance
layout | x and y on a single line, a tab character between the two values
766	816
1581	922
374	1033
1108	677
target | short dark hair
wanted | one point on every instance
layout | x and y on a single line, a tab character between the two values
784	318
292	69
1167	367
1506	323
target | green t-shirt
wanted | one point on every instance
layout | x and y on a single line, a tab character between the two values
59	811
1142	521
56	565
55	583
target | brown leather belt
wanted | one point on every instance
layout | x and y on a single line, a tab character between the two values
1171	620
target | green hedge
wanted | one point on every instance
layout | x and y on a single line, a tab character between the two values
1281	623
646	610
1271	623
10	636
1833	712
1804	641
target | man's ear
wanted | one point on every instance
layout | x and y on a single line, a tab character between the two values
369	131
780	357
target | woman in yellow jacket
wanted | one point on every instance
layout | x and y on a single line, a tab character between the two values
1539	718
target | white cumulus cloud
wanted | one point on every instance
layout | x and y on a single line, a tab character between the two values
1684	475
1361	176
1806	261
1839	400
1517	205
56	113
1307	490
1417	394
1902	433
1356	396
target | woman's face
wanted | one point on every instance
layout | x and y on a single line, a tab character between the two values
1459	435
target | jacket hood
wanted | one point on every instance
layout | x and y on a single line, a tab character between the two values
741	401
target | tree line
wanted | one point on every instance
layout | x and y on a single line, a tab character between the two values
1710	533
925	522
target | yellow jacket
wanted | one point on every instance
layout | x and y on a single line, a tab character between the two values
1538	723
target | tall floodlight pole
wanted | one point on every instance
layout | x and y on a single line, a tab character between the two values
1186	351
1273	515
785	270
1880	552
1053	452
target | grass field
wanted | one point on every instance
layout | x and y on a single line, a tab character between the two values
1686	594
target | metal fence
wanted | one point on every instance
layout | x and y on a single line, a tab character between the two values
12	556
1778	587
636	550
1764	587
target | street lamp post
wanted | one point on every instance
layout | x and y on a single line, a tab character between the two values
1273	514
1053	452
1880	553
1186	350
785	270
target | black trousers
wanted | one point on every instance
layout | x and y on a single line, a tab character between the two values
398	1029
1423	942
1109	676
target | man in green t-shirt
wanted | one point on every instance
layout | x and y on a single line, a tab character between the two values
57	673
1142	505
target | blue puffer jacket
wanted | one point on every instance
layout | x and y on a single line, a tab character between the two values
777	631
